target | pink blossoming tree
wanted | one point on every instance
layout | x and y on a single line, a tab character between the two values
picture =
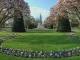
11	8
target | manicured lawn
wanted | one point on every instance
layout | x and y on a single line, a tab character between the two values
40	40
6	29
77	33
45	40
3	34
9	57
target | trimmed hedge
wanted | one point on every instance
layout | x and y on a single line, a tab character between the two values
18	24
49	26
63	25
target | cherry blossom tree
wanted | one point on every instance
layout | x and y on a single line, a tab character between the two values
50	22
72	6
63	9
9	8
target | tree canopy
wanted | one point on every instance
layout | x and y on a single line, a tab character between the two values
7	8
64	9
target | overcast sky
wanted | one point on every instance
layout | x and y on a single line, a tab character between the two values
40	6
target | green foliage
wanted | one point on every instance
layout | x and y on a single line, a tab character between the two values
3	34
18	24
63	25
31	26
31	22
49	26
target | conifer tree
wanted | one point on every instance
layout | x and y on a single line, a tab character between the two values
18	24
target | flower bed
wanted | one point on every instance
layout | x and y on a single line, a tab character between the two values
70	35
40	54
12	35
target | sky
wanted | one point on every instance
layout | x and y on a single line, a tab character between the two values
42	7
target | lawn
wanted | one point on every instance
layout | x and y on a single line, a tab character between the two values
41	40
77	34
45	40
4	34
9	57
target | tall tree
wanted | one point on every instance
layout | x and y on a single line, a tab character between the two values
8	7
72	6
63	25
64	8
18	24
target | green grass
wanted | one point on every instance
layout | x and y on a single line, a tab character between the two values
45	40
9	57
40	31
6	29
77	33
3	34
75	28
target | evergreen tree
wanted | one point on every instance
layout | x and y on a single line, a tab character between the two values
63	25
18	24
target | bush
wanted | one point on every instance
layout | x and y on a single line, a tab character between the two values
50	26
31	26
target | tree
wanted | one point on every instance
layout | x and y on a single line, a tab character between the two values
27	21
74	23
61	12
73	6
9	22
18	24
50	22
8	7
31	22
63	25
5	11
